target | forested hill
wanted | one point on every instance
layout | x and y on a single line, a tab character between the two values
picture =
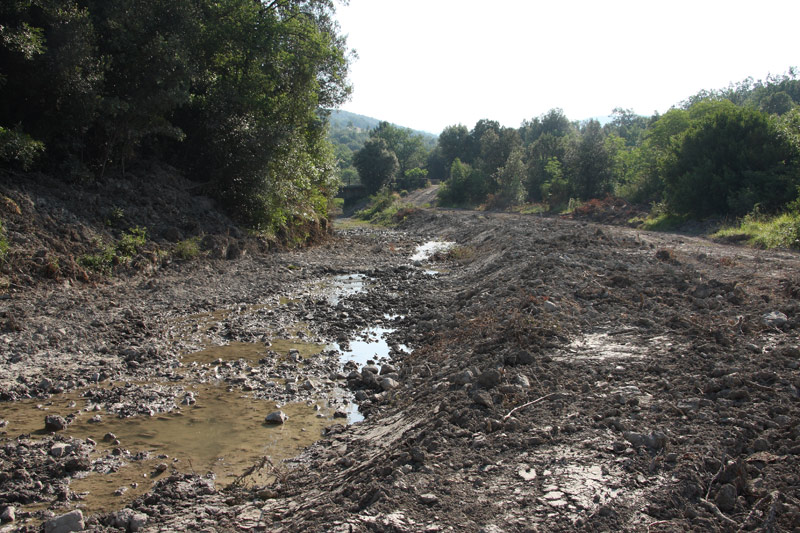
349	132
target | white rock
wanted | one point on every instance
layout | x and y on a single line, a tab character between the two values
72	521
60	449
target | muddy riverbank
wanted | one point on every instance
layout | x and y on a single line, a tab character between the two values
539	375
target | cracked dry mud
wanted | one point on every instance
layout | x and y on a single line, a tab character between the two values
542	375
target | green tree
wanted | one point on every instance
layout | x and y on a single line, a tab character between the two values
406	145
729	160
510	179
590	163
377	165
466	186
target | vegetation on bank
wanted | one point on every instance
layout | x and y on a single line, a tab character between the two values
231	93
723	154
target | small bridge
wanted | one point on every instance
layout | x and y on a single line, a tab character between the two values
351	192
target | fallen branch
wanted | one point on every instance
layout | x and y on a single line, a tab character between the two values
517	408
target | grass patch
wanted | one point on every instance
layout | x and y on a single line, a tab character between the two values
663	222
187	249
459	254
762	231
3	242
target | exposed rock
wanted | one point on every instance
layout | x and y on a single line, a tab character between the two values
774	319
72	521
726	498
276	417
55	423
9	514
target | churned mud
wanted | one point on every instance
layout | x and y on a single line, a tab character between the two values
531	374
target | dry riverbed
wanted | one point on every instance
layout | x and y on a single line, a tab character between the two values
538	375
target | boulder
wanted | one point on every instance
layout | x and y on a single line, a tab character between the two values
276	417
72	521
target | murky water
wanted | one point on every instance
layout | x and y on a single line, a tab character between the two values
423	252
252	352
223	433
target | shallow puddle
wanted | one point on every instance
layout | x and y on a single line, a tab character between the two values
370	344
339	287
425	251
252	352
223	433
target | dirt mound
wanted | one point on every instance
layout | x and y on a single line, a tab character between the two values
59	231
610	210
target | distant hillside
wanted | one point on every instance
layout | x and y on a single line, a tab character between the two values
349	131
340	119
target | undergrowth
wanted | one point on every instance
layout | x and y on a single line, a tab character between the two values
3	242
118	253
385	209
188	249
764	231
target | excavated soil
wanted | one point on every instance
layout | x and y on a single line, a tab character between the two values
542	375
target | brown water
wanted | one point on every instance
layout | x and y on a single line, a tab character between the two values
223	433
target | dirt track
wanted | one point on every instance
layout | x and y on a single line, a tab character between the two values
564	375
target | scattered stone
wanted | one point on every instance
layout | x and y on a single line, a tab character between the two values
636	439
55	423
60	449
527	473
726	498
389	384
550	306
428	498
388	369
655	441
9	514
490	378
276	417
189	399
129	520
481	397
774	319
462	378
72	521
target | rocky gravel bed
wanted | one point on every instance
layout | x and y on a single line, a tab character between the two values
559	375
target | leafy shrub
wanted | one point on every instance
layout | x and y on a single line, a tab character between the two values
18	149
3	242
188	249
122	251
384	208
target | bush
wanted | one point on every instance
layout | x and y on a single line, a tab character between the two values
3	242
731	159
188	249
384	208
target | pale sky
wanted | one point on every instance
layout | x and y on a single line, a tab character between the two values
428	64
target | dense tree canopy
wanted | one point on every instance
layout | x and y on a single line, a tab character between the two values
230	91
720	152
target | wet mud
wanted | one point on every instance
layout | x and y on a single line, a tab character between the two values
538	374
